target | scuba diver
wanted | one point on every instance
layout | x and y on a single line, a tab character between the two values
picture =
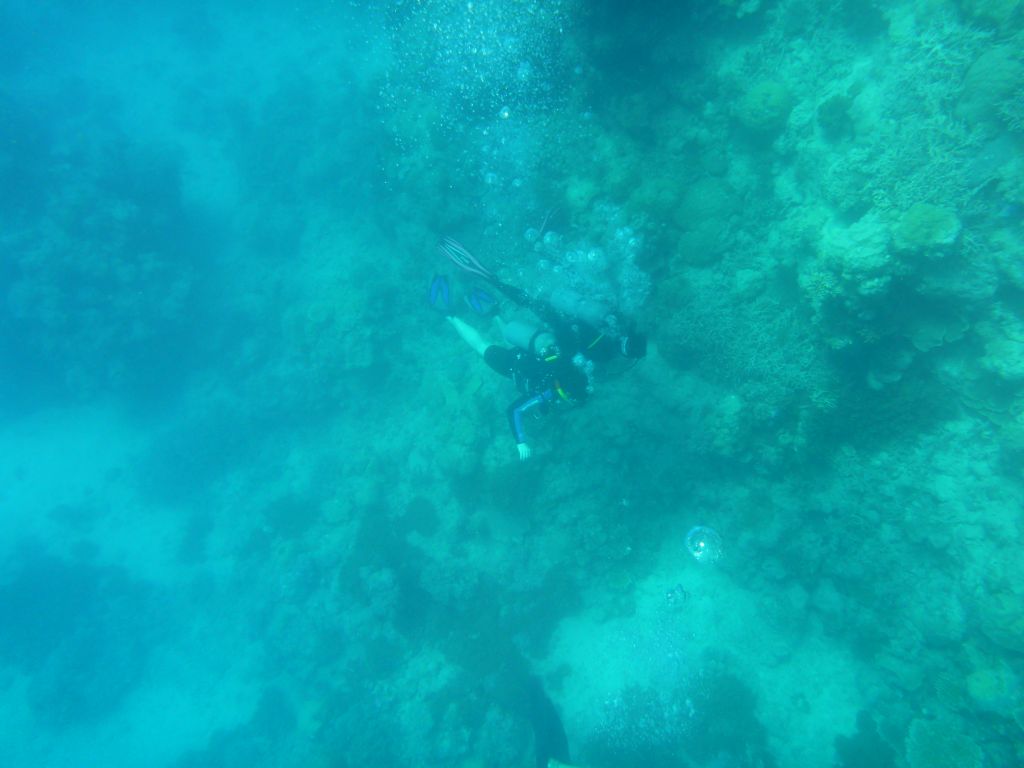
551	364
580	325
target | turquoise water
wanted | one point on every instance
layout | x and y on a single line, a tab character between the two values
260	505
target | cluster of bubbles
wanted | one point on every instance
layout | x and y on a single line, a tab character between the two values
469	95
587	368
642	725
600	265
490	74
480	58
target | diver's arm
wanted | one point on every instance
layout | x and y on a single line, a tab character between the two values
515	418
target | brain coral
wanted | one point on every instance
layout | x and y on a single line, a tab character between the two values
925	227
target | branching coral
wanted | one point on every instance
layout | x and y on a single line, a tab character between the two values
909	145
1011	111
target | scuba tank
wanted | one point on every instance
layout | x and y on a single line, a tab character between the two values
527	337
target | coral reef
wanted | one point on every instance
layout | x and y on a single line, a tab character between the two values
298	528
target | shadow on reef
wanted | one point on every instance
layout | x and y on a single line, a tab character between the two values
82	633
471	614
480	625
263	740
865	748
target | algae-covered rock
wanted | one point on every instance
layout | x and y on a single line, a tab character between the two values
657	195
926	227
930	332
941	619
764	108
707	198
700	246
848	280
1003	336
962	282
749	283
994	688
998	12
994	77
940	744
859	253
580	191
1002	621
726	424
703	216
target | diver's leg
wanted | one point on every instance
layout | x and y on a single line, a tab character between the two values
470	335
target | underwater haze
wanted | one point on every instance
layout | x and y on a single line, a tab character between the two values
262	505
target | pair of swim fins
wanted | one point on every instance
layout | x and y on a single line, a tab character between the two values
478	300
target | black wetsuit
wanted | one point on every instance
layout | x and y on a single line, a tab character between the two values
543	382
540	382
576	337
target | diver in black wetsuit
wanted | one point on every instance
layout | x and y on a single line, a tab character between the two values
544	379
551	364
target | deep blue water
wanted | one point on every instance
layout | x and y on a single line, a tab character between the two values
260	505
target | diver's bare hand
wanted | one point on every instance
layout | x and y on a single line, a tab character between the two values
524	451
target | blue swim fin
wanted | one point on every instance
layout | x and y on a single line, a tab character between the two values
440	293
481	302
